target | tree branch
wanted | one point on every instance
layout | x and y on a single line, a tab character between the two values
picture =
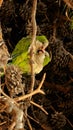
38	90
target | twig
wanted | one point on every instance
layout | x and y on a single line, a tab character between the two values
33	20
66	13
31	49
69	3
38	90
3	123
11	127
69	122
40	107
9	98
33	119
52	108
30	127
0	85
41	125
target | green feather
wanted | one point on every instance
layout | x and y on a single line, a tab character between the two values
42	39
20	56
46	60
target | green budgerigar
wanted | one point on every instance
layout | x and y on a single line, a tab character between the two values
21	57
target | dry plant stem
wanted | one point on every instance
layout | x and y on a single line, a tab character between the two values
33	20
40	107
11	127
34	31
3	123
12	100
52	108
33	119
0	85
69	3
69	122
66	13
30	127
38	90
3	108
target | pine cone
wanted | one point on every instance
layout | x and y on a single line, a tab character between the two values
58	121
59	67
60	57
13	11
13	80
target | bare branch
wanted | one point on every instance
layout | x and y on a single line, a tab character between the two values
31	49
40	107
38	90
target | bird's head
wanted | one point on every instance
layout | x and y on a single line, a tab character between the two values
40	55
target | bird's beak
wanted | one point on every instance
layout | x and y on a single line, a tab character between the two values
44	51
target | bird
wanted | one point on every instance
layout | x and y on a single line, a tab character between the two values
21	56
